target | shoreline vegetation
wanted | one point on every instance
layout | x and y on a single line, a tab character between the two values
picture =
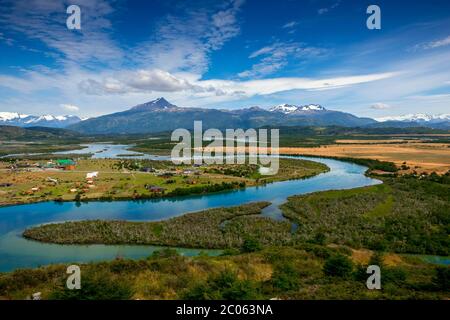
402	215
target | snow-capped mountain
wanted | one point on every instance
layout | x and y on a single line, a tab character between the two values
24	120
417	117
160	115
440	121
290	108
7	116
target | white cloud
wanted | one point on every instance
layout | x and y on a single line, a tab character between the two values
41	20
8	41
95	71
435	44
153	80
380	106
277	56
184	43
290	24
141	81
224	25
172	62
327	9
69	107
270	86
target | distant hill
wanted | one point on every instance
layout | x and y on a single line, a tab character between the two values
441	121
8	133
24	120
160	115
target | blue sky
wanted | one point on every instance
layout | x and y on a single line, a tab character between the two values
225	54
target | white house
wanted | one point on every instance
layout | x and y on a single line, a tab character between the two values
91	175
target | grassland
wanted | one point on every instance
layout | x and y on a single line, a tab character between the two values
417	156
402	215
122	179
300	272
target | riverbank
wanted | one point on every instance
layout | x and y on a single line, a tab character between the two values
130	179
403	215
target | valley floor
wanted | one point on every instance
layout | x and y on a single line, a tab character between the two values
336	235
26	181
339	233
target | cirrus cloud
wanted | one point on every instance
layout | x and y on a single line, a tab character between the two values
70	107
380	106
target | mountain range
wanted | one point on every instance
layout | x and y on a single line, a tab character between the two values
441	121
24	120
160	115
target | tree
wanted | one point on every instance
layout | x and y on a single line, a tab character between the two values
96	286
441	279
338	266
251	245
286	277
225	285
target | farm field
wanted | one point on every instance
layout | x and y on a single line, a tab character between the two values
421	157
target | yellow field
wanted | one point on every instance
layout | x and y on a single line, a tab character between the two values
419	156
356	141
422	157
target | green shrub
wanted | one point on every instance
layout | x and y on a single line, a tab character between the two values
225	285
319	238
318	251
360	274
286	277
165	253
393	275
99	286
230	252
338	266
441	279
251	245
377	259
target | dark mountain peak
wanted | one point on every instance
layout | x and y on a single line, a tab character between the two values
160	115
247	110
159	103
256	108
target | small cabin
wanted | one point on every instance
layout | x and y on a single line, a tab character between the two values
166	175
155	189
66	164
